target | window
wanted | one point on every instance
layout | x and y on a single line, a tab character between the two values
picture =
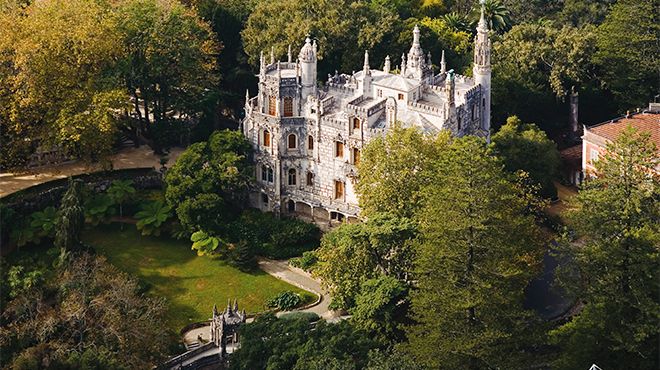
356	156
292	141
593	155
288	107
292	176
339	149
310	142
310	178
483	102
266	174
459	123
339	190
356	123
272	105
380	93
400	96
264	199
266	138
474	112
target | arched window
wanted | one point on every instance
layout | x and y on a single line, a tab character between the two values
266	140
288	107
356	156
310	178
292	141
339	190
272	105
310	142
267	174
292	176
356	123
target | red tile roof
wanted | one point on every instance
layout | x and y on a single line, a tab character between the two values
648	122
573	153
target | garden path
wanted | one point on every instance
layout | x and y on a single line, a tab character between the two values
143	156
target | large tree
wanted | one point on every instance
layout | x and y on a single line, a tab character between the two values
71	218
208	184
525	147
394	168
479	249
616	214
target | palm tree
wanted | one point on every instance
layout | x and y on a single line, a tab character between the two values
457	22
497	15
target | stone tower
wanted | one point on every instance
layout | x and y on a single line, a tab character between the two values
482	69
307	58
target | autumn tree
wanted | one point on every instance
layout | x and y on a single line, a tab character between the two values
616	214
525	147
478	250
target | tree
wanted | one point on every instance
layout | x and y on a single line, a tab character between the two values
354	253
121	191
271	343
58	86
479	249
381	306
71	217
629	52
525	147
169	65
209	182
497	15
394	169
89	312
616	214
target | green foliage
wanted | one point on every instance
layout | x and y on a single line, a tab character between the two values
209	182
381	306
478	251
307	316
525	147
152	216
386	184
90	296
24	233
99	208
284	301
204	243
269	343
616	216
353	253
44	222
21	278
242	255
631	75
391	360
497	15
306	261
121	191
71	217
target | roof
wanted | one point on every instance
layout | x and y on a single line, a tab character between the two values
645	122
397	82
572	154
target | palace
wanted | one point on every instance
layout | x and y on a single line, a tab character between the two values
307	139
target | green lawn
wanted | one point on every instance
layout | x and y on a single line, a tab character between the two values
190	283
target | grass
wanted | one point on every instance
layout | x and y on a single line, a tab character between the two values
190	283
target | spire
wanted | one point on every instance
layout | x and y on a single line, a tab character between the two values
272	55
247	99
235	305
288	54
386	68
483	25
443	63
262	64
228	308
428	58
416	36
215	310
365	67
403	64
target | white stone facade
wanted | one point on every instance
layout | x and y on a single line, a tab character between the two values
307	139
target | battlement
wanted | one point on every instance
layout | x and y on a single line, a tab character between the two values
424	108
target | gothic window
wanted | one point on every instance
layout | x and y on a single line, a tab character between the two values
356	156
339	190
339	149
310	178
288	107
400	96
266	174
356	123
292	176
474	112
266	140
292	141
264	199
310	142
272	105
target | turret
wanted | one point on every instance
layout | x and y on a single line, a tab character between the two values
416	62
288	54
386	68
272	55
403	65
443	63
307	58
482	69
366	75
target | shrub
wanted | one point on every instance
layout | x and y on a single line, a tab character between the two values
44	222
152	217
241	255
204	243
306	261
24	233
284	301
99	209
306	316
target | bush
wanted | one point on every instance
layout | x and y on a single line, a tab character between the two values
306	261
306	316
273	237
152	216
241	255
284	301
